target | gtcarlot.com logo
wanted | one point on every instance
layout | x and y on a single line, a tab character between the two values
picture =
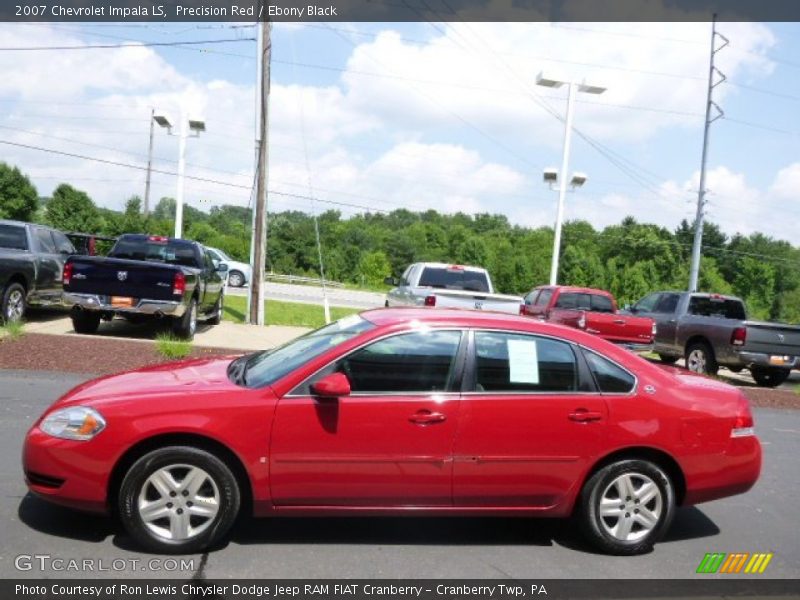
737	562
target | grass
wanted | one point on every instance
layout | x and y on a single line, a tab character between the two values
168	346
12	330
285	313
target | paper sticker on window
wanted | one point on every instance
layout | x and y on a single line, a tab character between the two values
523	362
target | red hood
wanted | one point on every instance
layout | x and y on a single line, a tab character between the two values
196	375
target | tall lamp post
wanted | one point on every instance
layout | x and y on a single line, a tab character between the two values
189	128
572	87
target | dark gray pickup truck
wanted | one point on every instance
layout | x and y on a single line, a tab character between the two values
145	277
31	261
712	330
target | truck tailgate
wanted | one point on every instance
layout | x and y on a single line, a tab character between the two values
477	301
117	277
775	339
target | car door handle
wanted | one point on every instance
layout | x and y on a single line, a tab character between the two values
619	322
581	415
426	417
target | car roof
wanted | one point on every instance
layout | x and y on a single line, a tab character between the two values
440	265
387	317
577	289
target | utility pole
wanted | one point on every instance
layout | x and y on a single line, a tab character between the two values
149	164
697	246
259	244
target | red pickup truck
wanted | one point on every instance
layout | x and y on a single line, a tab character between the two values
594	311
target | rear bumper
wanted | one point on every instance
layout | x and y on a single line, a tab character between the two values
764	360
143	306
732	472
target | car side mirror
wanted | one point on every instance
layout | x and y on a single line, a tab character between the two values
334	385
391	281
222	268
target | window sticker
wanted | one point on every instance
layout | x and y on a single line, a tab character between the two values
523	361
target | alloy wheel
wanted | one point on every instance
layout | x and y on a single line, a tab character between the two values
178	502
16	306
696	361
193	320
631	507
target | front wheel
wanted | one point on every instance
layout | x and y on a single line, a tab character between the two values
178	500
219	308
627	506
769	376
236	279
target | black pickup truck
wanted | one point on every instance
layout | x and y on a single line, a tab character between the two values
145	276
31	260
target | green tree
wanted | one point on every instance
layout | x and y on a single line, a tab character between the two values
374	267
72	210
18	198
755	283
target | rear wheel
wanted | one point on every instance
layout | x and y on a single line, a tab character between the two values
178	500
668	359
186	326
85	322
627	506
769	376
236	279
12	303
700	359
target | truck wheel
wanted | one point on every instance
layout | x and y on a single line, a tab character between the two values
769	376
186	326
13	303
219	307
668	359
86	322
700	359
235	279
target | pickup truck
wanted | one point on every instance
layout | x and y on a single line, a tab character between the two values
712	330
31	261
449	286
594	311
145	277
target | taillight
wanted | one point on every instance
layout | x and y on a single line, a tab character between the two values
160	239
66	276
739	336
179	284
430	300
743	425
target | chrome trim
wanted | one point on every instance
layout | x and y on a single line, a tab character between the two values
144	306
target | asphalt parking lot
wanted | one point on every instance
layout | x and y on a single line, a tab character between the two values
763	520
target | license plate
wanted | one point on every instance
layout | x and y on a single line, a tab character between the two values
121	301
777	360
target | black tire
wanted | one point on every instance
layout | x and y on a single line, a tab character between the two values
386	304
769	376
598	530
218	481
668	359
13	303
219	307
700	358
236	279
85	322
186	326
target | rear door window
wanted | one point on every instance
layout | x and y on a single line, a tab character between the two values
609	377
13	237
63	245
45	241
601	303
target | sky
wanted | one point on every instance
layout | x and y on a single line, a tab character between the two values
437	115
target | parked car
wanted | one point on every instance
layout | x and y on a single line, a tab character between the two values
239	273
31	261
712	330
594	311
145	276
449	286
400	412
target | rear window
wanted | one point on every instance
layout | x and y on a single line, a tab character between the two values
454	279
173	252
601	303
710	306
13	237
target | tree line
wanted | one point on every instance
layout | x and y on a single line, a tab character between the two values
630	259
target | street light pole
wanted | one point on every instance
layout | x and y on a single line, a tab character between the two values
181	169
562	189
149	164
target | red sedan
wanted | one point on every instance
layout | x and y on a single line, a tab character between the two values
402	412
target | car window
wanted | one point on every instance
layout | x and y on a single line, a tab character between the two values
667	304
647	304
209	260
609	377
454	278
544	298
158	249
530	299
405	278
63	245
45	241
13	237
419	362
717	306
573	300
601	303
508	362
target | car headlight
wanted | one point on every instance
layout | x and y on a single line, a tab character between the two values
73	423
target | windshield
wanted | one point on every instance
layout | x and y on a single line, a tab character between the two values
220	255
265	368
454	279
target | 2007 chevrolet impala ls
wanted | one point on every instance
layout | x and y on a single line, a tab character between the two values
402	412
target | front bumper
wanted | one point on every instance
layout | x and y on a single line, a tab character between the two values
142	306
761	359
